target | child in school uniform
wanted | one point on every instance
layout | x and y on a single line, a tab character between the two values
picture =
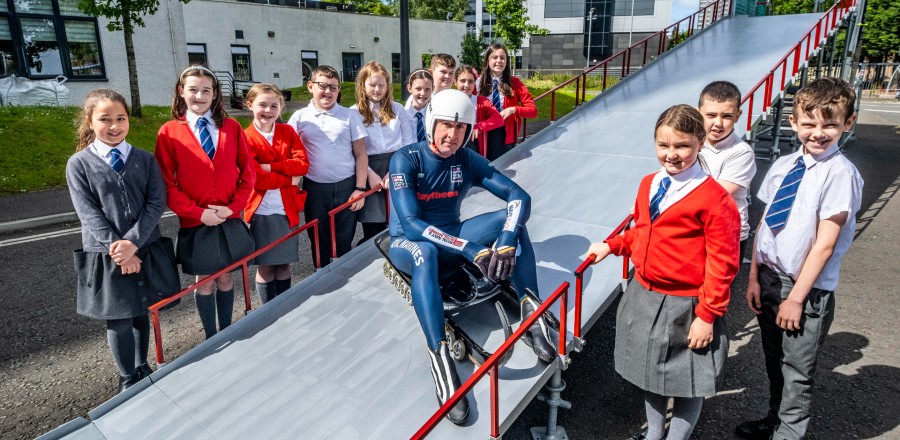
487	118
125	265
276	200
388	128
812	197
725	156
670	329
419	85
510	97
209	174
334	137
443	70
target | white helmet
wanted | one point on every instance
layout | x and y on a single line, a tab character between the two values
449	105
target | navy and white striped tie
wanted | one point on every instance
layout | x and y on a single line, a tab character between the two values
780	208
495	96
660	193
115	160
206	138
420	127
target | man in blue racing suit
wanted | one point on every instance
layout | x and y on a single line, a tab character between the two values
428	182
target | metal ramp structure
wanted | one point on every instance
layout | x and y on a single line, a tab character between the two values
341	356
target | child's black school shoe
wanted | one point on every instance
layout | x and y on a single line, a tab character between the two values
127	382
144	370
761	429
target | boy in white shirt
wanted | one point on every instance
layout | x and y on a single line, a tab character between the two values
725	156
812	199
334	137
443	70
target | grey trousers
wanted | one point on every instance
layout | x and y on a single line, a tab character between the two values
791	355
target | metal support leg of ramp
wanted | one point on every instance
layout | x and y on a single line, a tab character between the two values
554	389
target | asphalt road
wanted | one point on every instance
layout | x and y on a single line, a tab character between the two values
55	365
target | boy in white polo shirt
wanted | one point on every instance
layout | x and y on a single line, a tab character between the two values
812	198
725	156
334	137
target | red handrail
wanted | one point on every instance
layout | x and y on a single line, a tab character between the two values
827	22
492	363
154	309
588	262
333	212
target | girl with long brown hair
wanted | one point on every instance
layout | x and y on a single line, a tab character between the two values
510	97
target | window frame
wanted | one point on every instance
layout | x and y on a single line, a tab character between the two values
205	53
249	62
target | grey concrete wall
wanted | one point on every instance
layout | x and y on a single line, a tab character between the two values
329	33
160	53
554	51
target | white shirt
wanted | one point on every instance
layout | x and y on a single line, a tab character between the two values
103	150
412	110
680	186
732	160
271	202
831	185
391	137
192	119
328	136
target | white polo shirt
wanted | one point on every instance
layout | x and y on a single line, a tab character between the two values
192	119
732	160
328	136
391	137
271	202
831	185
680	186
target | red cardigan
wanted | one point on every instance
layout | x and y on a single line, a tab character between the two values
193	181
486	116
690	250
524	104
287	157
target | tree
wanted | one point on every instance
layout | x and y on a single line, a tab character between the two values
433	9
881	30
124	15
376	7
473	45
512	23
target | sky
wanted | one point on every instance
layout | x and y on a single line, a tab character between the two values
683	8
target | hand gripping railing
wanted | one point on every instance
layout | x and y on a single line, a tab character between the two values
492	364
809	43
579	276
333	212
242	263
696	21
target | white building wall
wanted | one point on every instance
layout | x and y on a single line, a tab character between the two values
329	33
160	53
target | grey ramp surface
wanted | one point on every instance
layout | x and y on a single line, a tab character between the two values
342	356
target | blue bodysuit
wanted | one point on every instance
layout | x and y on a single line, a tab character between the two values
426	231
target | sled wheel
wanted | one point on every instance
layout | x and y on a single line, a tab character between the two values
387	269
407	294
397	281
458	350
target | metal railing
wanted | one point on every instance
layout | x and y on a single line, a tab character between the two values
336	210
243	264
810	42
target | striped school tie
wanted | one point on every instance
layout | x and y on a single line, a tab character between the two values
420	126
115	160
780	208
660	193
206	138
495	96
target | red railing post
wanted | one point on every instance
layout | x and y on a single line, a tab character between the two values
577	91
796	60
750	111
316	241
495	402
245	274
157	336
579	290
584	89
345	205
552	106
563	312
605	70
644	62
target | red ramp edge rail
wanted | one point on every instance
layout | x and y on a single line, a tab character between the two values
807	44
491	365
243	264
333	212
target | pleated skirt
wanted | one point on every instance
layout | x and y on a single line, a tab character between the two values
652	351
204	250
267	228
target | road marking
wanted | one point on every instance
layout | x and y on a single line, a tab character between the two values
52	234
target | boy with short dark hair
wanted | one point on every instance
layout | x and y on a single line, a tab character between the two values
334	137
725	156
813	196
443	69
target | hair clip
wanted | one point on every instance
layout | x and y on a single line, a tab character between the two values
197	67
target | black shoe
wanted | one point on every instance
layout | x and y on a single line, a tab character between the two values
638	436
761	429
127	382
144	370
538	336
446	382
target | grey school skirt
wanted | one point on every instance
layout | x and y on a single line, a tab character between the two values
267	228
374	211
652	346
205	250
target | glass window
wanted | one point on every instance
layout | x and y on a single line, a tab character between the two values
70	7
240	63
7	50
395	67
34	6
3	7
84	52
41	48
197	54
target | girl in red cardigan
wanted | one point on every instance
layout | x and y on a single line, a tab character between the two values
486	116
208	173
276	200
509	96
670	331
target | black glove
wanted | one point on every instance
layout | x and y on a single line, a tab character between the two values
483	260
503	263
